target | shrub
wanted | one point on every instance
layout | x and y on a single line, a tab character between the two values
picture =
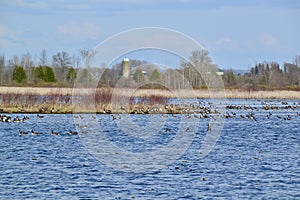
19	74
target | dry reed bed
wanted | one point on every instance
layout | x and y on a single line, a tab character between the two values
68	100
126	92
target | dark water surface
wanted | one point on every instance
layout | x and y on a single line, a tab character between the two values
252	159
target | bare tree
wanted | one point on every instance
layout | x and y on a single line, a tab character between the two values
291	73
202	68
297	63
13	61
11	64
43	58
2	66
76	61
61	61
28	65
276	75
87	57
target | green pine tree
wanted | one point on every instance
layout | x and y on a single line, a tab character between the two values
138	76
71	75
19	74
49	75
39	74
155	76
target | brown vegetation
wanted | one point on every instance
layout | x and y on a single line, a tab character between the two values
68	100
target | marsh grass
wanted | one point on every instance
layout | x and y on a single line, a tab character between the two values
68	100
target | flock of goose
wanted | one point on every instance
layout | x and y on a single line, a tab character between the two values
38	133
17	119
197	111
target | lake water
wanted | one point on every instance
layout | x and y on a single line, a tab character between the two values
251	159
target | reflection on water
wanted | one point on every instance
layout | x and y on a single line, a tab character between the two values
252	158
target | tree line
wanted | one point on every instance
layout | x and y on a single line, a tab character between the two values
62	69
266	76
59	70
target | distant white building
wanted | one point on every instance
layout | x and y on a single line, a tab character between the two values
220	73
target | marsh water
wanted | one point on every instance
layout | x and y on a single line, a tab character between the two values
251	158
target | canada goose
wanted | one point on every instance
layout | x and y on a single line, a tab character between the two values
73	132
81	126
25	118
6	119
54	133
168	130
208	127
107	111
22	132
34	132
17	119
39	116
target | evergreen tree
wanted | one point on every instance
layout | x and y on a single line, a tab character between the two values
138	76
44	73
71	75
49	75
39	74
19	74
155	76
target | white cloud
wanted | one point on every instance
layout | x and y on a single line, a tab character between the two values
80	31
269	40
223	41
29	4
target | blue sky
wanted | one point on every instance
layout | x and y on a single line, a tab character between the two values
237	33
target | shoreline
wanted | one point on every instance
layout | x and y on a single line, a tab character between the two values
197	93
116	100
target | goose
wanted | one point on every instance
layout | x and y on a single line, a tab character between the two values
73	132
208	127
17	119
39	116
107	111
54	133
34	132
25	118
82	126
6	119
22	132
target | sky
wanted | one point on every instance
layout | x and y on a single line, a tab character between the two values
237	33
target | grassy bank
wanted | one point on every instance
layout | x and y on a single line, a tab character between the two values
240	94
68	100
